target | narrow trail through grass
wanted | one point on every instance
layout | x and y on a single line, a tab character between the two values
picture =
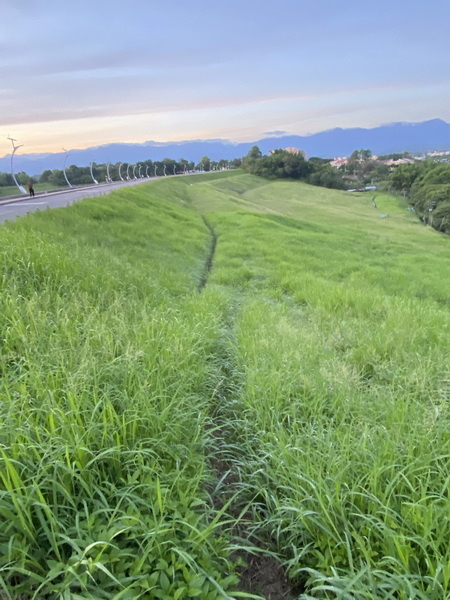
260	569
210	258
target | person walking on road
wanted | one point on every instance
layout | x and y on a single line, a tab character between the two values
31	189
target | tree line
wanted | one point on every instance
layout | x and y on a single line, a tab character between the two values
426	186
359	170
102	172
285	164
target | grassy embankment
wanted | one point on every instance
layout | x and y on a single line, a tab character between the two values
319	347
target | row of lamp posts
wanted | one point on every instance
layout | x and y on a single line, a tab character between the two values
91	165
127	176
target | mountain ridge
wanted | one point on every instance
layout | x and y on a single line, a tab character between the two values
420	137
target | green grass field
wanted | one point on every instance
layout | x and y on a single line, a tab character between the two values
154	338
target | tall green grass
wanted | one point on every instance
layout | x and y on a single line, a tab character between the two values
315	361
105	380
341	342
348	449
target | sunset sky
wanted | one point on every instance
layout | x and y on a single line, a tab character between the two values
80	74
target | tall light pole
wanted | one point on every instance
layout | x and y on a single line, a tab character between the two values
174	169
91	165
21	188
128	172
120	176
108	178
146	171
64	168
164	169
134	171
139	172
155	170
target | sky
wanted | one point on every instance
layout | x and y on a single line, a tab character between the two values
76	74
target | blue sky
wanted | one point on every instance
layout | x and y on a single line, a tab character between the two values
85	73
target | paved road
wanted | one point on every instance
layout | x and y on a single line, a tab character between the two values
9	209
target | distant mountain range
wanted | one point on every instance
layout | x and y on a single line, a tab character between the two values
421	137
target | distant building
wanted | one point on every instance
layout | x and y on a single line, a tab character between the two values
341	161
392	163
443	153
398	161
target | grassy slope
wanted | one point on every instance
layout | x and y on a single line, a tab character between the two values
105	382
332	326
341	341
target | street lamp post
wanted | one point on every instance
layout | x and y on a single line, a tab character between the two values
146	171
64	168
21	188
91	165
139	172
164	170
155	171
108	178
128	172
174	170
120	176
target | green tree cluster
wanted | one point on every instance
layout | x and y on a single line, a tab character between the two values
363	168
403	177
282	164
207	164
325	175
6	179
430	197
427	186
